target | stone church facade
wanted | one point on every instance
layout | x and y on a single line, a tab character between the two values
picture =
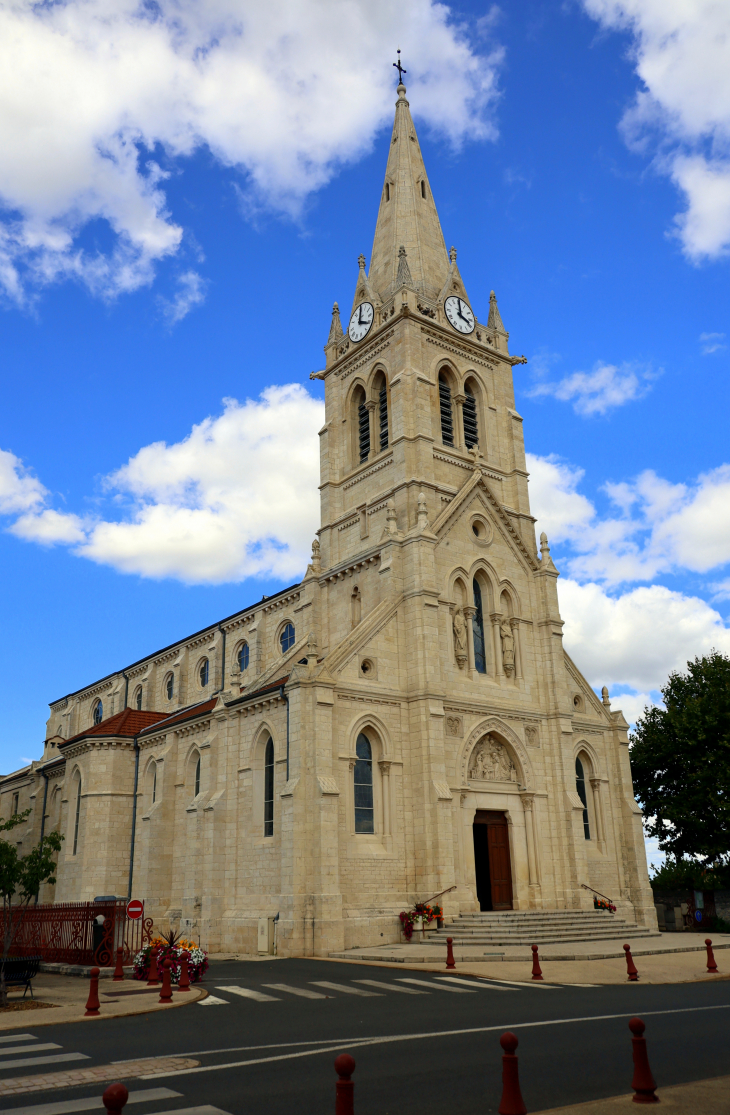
403	721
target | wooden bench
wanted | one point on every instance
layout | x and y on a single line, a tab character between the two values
20	971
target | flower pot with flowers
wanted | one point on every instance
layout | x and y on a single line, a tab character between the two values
418	918
170	946
603	904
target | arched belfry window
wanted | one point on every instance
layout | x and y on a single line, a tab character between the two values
471	428
364	804
447	418
363	430
477	621
269	788
381	398
580	786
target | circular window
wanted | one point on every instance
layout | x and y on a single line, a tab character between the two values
481	529
577	701
243	657
366	666
287	637
170	686
203	674
98	713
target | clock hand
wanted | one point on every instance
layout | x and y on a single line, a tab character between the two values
458	309
359	317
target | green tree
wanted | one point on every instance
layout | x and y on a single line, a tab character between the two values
680	758
20	881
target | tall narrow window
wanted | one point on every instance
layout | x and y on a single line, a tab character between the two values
154	784
447	421
387	191
16	799
477	623
138	698
170	686
287	637
383	411
204	667
363	431
580	785
269	789
197	777
243	657
78	814
364	809
471	429
423	188
98	713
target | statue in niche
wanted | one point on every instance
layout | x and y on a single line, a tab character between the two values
356	606
460	636
491	762
508	647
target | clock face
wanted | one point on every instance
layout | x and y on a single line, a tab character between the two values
361	321
459	314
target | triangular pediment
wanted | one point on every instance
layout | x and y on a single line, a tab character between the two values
477	486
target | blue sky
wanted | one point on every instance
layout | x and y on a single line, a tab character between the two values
178	221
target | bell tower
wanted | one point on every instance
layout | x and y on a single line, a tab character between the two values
418	389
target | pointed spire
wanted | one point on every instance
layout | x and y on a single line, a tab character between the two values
407	215
336	326
404	271
495	320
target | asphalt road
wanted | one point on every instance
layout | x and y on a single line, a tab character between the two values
437	1050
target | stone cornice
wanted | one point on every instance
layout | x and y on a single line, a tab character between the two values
355	359
463	348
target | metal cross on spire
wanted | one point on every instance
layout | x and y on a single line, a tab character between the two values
400	69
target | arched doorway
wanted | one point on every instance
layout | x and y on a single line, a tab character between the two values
492	863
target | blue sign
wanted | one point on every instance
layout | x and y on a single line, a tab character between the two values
698	915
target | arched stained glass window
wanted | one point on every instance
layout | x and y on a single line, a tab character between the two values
269	788
204	668
477	623
197	777
580	786
77	816
243	657
170	686
447	418
287	637
154	784
364	807
98	713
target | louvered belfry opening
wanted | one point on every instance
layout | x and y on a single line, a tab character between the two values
471	429
447	420
383	411
363	419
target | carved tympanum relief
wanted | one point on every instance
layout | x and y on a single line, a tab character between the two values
491	762
459	624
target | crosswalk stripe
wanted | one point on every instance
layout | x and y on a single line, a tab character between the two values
204	1109
303	991
95	1103
522	983
213	1001
343	988
249	993
435	986
19	1037
59	1057
27	1049
391	987
482	986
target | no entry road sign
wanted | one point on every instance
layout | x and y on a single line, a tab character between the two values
135	909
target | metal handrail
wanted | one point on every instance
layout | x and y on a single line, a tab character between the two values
594	891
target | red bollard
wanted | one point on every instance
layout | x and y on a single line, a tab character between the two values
184	981
344	1088
450	962
114	1099
154	978
630	966
119	970
512	1102
711	965
536	969
166	989
644	1084
92	1005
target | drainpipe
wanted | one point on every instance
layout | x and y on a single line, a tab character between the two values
284	697
223	660
43	823
126	688
134	816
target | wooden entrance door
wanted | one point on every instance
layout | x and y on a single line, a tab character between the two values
495	851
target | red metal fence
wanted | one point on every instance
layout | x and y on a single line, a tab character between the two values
69	932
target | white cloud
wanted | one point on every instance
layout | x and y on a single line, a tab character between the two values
636	639
102	99
604	388
680	50
236	498
19	490
712	342
658	527
190	293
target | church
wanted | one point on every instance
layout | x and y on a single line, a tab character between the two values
405	721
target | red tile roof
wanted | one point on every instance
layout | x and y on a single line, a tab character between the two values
127	723
185	714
